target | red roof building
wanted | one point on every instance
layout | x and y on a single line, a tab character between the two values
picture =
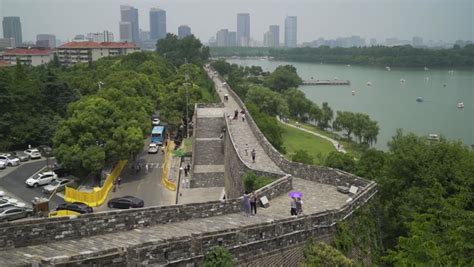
84	52
28	56
4	64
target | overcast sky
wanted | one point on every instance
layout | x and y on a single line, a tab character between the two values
446	20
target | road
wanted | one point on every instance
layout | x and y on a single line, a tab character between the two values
12	180
143	184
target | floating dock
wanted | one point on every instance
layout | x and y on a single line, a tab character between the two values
326	82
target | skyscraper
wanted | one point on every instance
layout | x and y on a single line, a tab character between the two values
129	14
275	29
125	31
291	28
157	23
243	29
12	29
417	41
46	40
222	37
183	31
232	39
269	39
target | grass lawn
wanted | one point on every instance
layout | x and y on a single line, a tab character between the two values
294	139
351	147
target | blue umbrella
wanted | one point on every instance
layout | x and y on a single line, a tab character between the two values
295	194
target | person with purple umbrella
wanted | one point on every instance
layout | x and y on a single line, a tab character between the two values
296	203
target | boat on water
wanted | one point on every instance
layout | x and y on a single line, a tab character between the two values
388	68
460	105
451	72
427	78
353	92
426	69
433	137
419	99
444	85
402	80
369	83
348	65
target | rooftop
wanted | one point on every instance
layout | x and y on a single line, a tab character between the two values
98	45
27	51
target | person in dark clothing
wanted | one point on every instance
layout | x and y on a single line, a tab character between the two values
293	207
236	114
253	153
253	204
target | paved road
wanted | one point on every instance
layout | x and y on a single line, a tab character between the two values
144	184
13	182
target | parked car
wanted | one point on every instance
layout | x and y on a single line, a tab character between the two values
10	160
155	122
60	170
58	185
21	155
14	213
33	153
75	206
152	148
3	164
41	179
46	151
125	202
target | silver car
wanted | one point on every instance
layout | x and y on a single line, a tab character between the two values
10	160
3	164
58	185
14	213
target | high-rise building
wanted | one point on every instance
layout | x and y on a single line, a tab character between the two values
275	29
291	28
12	29
144	35
183	31
243	29
222	37
269	39
46	40
100	37
373	42
129	14
157	23
126	31
232	39
417	41
7	43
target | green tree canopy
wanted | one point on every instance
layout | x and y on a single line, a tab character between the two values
322	254
177	50
283	78
218	257
302	156
267	101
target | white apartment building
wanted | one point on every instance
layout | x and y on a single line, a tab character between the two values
84	52
27	56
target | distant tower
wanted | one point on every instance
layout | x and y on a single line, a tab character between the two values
46	40
12	29
275	29
183	31
232	39
129	15
222	38
157	23
243	29
291	29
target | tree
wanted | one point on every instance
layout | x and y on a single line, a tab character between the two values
269	127
326	116
322	254
340	161
302	156
269	102
345	121
178	50
298	104
218	257
283	78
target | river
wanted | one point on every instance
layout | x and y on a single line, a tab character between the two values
389	101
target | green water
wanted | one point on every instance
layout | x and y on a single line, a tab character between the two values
392	103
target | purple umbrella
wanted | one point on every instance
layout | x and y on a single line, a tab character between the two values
295	194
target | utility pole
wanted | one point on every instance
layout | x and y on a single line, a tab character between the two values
186	77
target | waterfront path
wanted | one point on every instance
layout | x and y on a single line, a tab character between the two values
241	132
334	142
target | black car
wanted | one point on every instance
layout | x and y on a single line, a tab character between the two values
75	206
60	171
125	202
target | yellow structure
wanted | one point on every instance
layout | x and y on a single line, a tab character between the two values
98	194
58	213
166	167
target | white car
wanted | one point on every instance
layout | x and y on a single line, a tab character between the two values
33	153
155	122
152	148
57	185
9	160
41	179
3	164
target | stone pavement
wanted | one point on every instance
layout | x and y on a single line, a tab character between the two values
317	197
242	133
334	142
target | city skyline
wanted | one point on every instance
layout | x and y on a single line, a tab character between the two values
446	21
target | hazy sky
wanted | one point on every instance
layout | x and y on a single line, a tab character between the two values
446	20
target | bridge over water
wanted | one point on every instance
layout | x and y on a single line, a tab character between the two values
180	235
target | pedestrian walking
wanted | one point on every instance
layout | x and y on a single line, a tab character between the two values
297	125
146	167
246	203
293	207
119	181
299	206
243	117
185	172
253	153
114	188
236	114
188	167
246	149
253	204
